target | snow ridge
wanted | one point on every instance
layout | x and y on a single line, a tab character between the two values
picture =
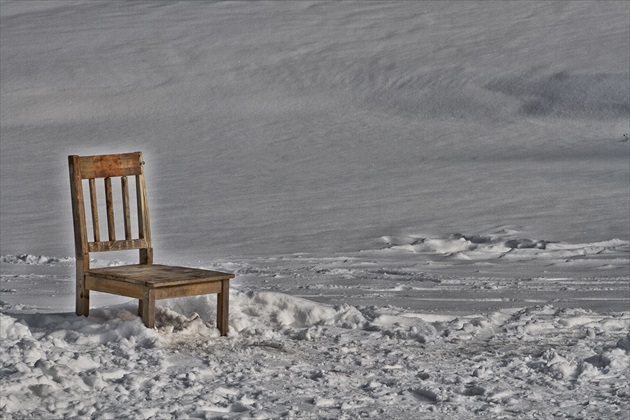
506	245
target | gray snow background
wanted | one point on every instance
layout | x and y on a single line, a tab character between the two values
427	206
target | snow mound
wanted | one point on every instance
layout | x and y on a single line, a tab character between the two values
11	329
267	313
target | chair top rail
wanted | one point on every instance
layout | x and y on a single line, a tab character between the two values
104	166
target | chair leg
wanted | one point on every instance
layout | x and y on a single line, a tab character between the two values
148	308
83	302
223	307
140	307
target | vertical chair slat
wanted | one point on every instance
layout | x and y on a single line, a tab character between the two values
109	201
144	229
125	197
94	206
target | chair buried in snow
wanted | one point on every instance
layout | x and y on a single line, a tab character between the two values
145	281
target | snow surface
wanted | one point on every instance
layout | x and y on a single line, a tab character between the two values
426	205
286	356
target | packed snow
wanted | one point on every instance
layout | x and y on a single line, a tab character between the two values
426	206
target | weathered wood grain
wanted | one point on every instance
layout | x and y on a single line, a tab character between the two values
94	207
183	290
122	245
109	203
123	288
103	166
144	226
223	307
148	308
125	198
156	275
80	236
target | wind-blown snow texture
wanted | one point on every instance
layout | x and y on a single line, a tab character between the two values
317	127
426	205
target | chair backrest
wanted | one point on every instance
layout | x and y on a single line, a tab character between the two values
106	167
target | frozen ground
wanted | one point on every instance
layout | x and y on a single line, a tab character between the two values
426	205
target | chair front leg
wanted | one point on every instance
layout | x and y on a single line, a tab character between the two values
82	301
223	307
82	294
148	308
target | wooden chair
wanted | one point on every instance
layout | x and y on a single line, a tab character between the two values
145	281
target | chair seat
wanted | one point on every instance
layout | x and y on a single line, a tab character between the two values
157	276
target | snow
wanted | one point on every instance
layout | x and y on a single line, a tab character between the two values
287	356
425	205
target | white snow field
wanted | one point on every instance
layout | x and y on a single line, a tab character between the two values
426	204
